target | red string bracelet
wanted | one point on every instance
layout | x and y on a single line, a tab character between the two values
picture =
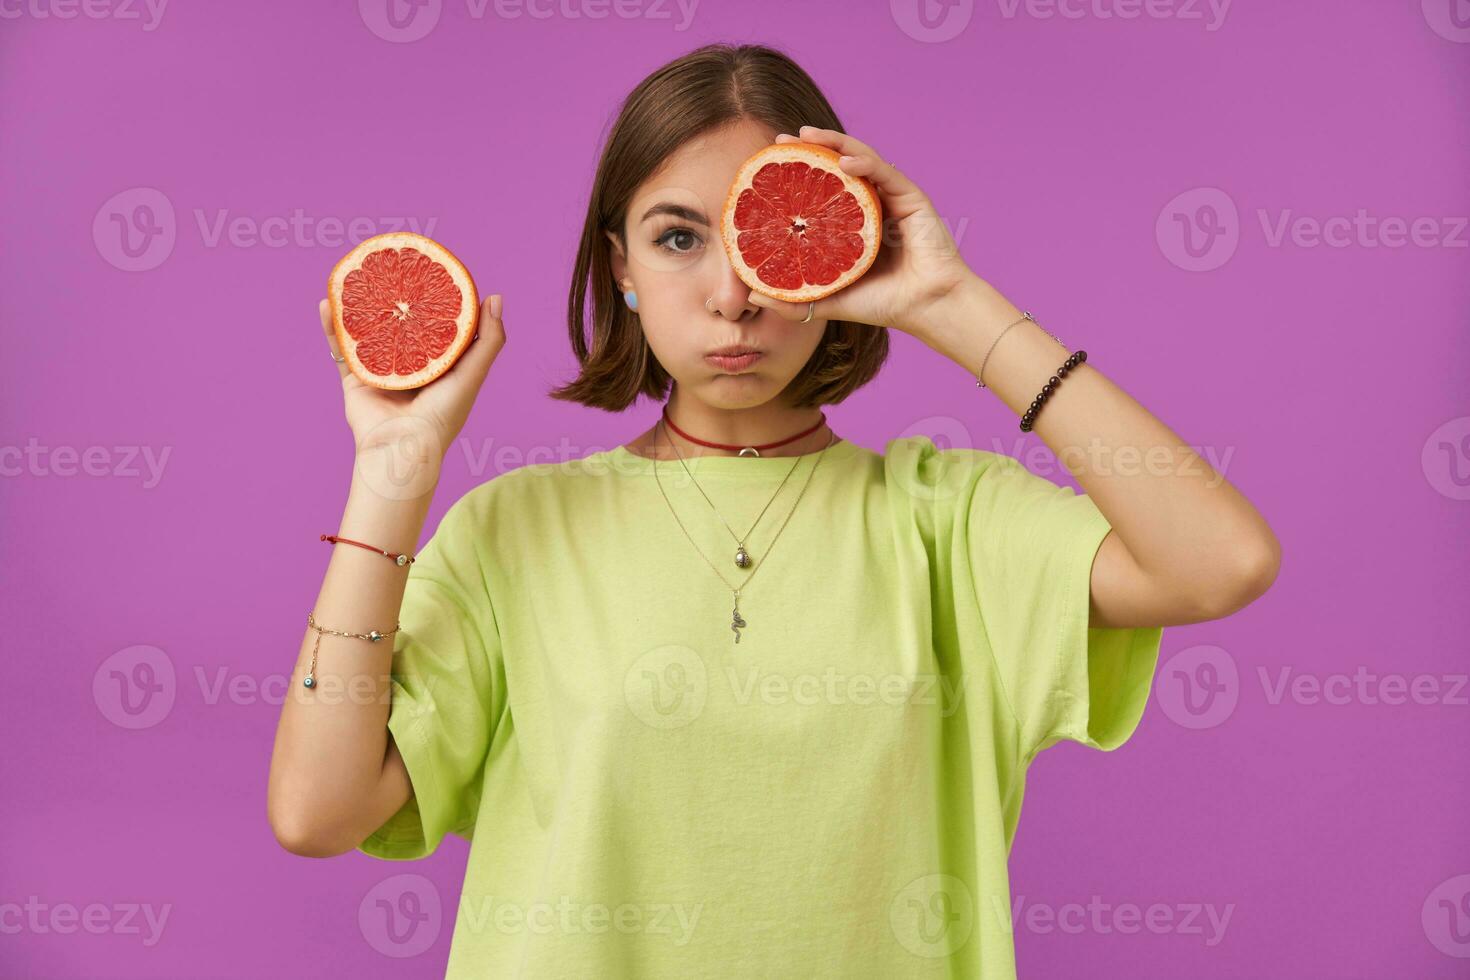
397	559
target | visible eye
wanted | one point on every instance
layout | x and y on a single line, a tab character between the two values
676	234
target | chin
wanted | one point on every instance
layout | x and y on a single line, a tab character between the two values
736	391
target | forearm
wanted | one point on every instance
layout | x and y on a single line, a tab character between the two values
1179	518
332	739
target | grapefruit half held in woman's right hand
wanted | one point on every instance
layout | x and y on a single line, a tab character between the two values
418	424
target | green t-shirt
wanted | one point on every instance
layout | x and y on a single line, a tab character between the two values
834	795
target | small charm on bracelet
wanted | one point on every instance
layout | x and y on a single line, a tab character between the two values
397	559
373	635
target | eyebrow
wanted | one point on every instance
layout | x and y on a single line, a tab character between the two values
678	211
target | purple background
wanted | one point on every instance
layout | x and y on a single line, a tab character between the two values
1331	381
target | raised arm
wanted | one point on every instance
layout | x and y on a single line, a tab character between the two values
1186	546
335	774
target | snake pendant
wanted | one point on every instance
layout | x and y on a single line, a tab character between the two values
736	623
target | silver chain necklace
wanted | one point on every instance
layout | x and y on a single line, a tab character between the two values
742	557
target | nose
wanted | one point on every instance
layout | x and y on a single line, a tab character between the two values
731	296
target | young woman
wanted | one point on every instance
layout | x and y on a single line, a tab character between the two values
741	698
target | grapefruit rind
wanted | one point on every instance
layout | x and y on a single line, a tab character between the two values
818	157
465	320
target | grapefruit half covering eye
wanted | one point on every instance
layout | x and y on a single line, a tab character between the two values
798	228
404	309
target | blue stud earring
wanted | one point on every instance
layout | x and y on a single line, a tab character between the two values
631	298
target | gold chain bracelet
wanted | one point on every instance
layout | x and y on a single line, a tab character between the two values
374	636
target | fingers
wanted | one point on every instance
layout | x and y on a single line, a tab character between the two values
491	329
488	340
324	308
841	142
861	160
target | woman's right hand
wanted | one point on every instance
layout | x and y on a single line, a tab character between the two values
420	423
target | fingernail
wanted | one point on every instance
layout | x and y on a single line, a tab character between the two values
847	161
496	301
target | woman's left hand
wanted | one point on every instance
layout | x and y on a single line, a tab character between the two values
918	262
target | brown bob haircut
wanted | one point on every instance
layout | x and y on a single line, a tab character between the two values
706	89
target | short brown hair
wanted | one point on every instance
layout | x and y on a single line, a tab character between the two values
707	88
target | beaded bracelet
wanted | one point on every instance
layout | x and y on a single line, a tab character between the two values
1029	418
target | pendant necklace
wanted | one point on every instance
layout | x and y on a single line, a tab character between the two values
742	556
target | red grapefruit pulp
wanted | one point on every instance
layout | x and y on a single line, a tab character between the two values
404	309
796	226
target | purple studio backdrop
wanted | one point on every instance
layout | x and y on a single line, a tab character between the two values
1252	216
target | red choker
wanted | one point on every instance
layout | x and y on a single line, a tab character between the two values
720	445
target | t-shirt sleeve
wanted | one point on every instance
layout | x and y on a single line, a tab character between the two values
448	690
1031	544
